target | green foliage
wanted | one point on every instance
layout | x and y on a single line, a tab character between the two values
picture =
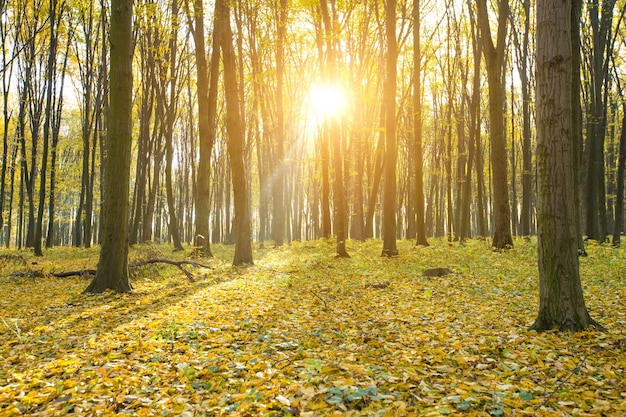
304	333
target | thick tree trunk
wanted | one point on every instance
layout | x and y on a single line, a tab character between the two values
113	263
561	300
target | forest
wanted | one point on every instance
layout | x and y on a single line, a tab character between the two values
312	87
368	200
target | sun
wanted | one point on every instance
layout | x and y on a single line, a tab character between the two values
327	100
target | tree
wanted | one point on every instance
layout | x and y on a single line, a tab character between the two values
391	148
207	104
523	56
169	107
235	127
601	21
334	130
494	57
278	174
112	270
561	302
55	22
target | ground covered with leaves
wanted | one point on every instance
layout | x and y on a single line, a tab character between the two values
304	333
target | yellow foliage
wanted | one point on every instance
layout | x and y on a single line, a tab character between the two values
304	333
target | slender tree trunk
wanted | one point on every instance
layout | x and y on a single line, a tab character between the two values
278	174
420	228
390	248
619	198
235	124
207	83
51	76
494	56
170	117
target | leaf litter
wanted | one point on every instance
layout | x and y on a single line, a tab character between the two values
303	333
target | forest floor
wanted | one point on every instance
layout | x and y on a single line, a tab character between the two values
304	333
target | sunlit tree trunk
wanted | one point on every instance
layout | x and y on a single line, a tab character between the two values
278	171
112	270
473	104
168	129
561	302
207	83
391	148
235	127
418	156
494	57
334	131
55	127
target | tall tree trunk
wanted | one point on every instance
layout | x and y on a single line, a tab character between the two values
473	105
391	148
234	125
207	83
170	117
278	174
112	270
601	23
561	302
50	89
577	118
522	49
494	57
418	156
619	198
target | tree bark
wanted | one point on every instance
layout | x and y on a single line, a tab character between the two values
390	248
278	172
112	272
619	198
207	83
234	125
494	56
561	302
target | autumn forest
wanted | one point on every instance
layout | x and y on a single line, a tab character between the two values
313	85
368	200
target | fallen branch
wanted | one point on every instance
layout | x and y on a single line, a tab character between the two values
132	265
73	273
27	274
178	264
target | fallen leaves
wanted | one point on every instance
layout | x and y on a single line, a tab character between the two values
303	333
